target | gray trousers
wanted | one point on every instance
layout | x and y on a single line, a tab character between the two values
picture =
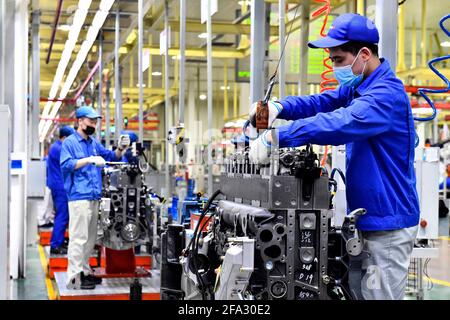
385	273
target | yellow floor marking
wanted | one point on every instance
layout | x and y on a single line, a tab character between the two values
440	282
444	238
436	281
48	282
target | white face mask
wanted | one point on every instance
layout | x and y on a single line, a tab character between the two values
345	75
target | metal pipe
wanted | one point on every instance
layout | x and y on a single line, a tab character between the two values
281	36
414	46
35	92
107	113
360	8
86	81
225	93
2	54
167	97
117	78
401	38
304	34
18	196
430	47
386	20
423	40
235	100
131	61
43	99
182	61
420	278
209	93
150	67
140	72
257	54
55	26
100	83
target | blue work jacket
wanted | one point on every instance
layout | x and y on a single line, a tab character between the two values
375	123
84	183
54	176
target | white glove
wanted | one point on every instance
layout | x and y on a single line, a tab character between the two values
97	161
274	110
260	149
124	141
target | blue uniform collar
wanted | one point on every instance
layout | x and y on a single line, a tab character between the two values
374	76
80	138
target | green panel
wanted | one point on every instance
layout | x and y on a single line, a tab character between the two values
315	56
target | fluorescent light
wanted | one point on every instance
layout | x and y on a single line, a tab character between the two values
97	23
204	35
143	85
84	5
99	19
64	27
202	97
223	88
77	23
106	5
177	57
445	44
156	73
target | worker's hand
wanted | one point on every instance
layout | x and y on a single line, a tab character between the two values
274	110
124	142
97	161
260	148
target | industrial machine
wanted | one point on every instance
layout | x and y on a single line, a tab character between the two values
126	209
270	236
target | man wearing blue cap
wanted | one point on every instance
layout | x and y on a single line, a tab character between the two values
81	159
371	114
56	185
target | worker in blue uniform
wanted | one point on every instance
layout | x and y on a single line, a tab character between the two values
56	185
370	113
81	160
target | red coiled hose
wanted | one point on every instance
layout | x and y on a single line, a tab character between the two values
327	83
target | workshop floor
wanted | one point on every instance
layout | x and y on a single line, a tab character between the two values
437	287
439	269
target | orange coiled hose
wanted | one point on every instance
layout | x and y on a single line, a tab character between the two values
327	82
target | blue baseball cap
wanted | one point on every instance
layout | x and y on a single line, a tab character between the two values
65	131
348	27
88	112
133	136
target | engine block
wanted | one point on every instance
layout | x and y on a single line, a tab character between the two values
282	212
125	209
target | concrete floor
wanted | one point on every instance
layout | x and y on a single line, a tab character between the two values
34	286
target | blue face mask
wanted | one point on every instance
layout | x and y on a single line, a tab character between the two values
345	76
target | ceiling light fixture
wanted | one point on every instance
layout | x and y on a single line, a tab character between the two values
78	21
97	23
64	27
